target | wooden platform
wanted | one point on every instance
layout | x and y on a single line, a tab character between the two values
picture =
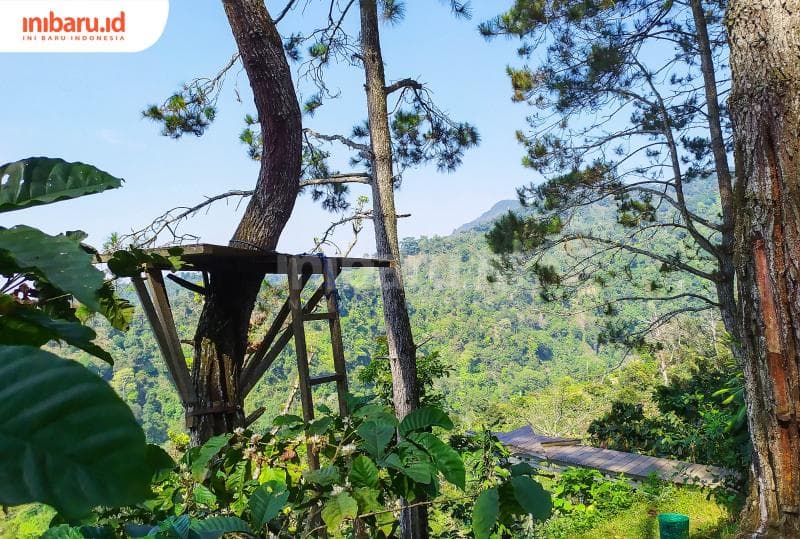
526	444
209	257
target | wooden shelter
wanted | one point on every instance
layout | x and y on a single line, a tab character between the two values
298	269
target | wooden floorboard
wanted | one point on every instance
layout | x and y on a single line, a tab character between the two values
525	443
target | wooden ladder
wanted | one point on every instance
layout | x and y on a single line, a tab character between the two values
300	316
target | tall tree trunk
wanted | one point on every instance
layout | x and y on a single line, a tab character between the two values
725	285
765	106
221	337
402	351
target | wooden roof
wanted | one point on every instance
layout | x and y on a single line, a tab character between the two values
209	257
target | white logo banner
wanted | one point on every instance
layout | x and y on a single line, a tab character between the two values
81	25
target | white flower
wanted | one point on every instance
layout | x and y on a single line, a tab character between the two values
348	449
238	431
255	438
337	490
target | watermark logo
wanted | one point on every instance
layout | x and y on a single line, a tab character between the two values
81	25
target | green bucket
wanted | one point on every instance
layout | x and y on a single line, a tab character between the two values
673	526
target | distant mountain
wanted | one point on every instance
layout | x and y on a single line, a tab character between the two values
488	217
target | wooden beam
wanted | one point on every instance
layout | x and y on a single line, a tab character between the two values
174	357
306	397
154	320
334	323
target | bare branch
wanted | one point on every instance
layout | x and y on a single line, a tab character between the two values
283	12
338	138
355	177
403	83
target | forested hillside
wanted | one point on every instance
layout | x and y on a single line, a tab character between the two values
512	356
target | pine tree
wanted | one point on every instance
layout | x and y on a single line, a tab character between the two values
765	107
627	112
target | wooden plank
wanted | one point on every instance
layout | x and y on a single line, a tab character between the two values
306	397
325	379
204	256
315	317
334	324
161	338
160	313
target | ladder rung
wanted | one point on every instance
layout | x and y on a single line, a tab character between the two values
324	379
317	316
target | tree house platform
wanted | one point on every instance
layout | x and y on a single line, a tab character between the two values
288	324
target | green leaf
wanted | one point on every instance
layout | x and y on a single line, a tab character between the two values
204	496
327	475
158	460
64	531
337	509
447	459
42	180
266	505
26	325
532	497
58	259
484	514
363	472
207	452
118	311
66	438
424	418
376	435
367	499
213	527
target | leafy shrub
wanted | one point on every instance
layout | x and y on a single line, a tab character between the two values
699	420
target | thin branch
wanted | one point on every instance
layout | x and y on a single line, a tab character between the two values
338	138
283	12
403	83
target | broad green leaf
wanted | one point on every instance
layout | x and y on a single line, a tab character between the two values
484	514
424	418
337	509
207	452
447	459
58	259
118	311
66	438
42	180
367	499
26	325
363	472
266	505
176	526
129	262
213	527
532	497
376	435
419	472
204	496
158	460
287	419
327	475
64	531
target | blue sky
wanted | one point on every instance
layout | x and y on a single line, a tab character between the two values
87	107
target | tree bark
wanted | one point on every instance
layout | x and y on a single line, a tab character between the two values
221	336
765	107
402	350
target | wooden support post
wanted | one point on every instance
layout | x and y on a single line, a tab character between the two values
257	366
306	397
339	363
177	368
